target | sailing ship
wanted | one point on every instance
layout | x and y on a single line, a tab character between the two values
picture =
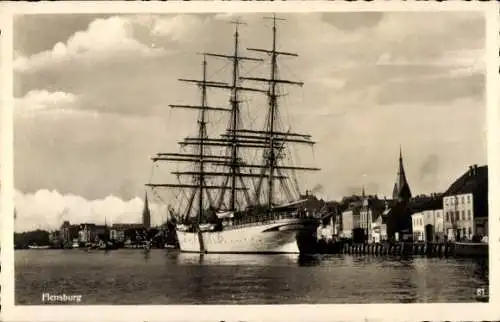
227	207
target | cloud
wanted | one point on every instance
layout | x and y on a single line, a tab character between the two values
176	27
47	209
429	169
399	77
103	38
353	20
41	100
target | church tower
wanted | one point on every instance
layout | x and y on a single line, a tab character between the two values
401	190
146	215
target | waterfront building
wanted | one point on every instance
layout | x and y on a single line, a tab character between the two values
54	239
350	220
365	214
68	232
122	232
371	218
465	205
101	232
379	228
86	233
428	225
333	208
481	226
90	233
337	224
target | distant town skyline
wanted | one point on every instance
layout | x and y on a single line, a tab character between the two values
92	95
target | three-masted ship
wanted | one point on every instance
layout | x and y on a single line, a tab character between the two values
231	205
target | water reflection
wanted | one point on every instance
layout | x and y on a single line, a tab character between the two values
482	268
308	260
232	259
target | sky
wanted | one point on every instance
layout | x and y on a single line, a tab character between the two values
92	95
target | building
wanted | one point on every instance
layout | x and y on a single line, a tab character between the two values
54	238
465	205
350	220
146	215
481	226
428	225
101	232
401	191
399	218
379	228
371	212
365	213
333	207
91	233
122	232
68	233
86	233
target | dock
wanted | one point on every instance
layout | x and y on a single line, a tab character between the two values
395	248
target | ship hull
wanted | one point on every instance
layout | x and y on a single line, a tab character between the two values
262	238
471	249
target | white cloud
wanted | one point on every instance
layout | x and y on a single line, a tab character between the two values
102	38
465	62
47	209
177	27
42	100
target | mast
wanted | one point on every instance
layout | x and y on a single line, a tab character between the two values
235	116
201	135
272	106
199	157
273	150
271	140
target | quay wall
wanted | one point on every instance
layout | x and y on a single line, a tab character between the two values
395	248
427	249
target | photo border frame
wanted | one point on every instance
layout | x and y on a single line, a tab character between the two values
344	312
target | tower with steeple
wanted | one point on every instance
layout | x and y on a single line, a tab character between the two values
146	215
401	190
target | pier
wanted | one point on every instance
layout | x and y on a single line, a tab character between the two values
403	249
394	248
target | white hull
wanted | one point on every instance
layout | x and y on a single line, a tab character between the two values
276	237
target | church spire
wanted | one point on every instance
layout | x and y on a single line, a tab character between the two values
401	190
146	216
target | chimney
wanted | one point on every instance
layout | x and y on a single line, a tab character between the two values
475	169
471	171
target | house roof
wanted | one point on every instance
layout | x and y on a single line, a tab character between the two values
425	203
474	180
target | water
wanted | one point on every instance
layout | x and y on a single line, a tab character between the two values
161	277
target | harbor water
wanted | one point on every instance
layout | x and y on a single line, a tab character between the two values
169	277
